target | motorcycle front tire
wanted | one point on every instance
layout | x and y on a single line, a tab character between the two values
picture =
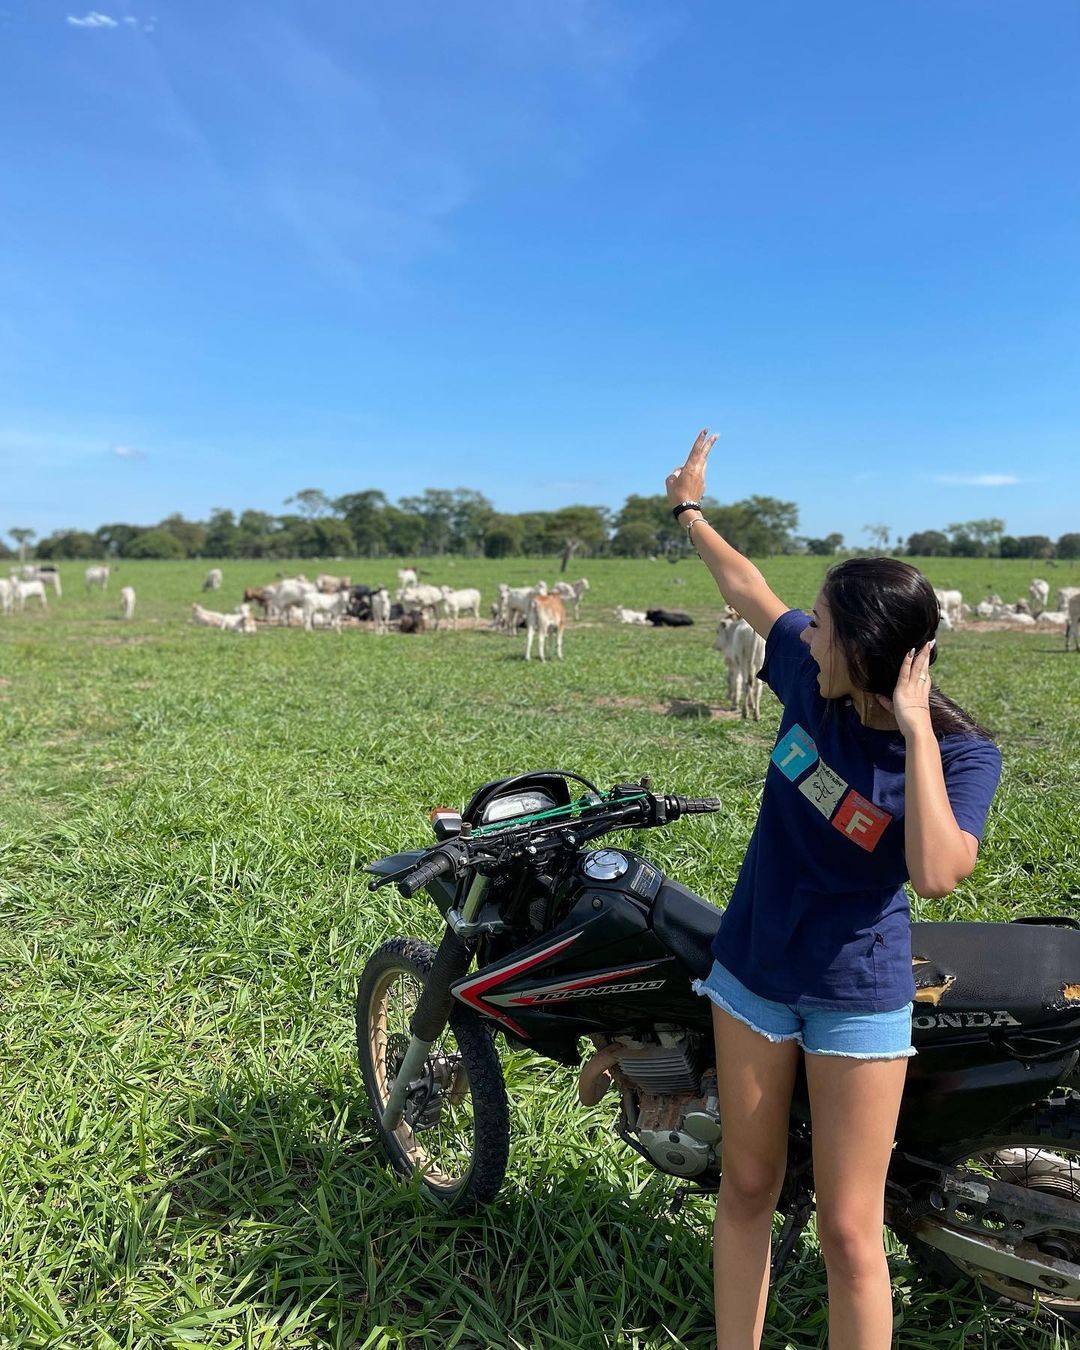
480	1139
1053	1125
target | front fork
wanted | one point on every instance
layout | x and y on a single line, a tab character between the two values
428	1022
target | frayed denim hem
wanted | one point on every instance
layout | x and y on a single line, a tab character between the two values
864	1054
698	987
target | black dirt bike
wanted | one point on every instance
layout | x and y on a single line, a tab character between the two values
548	942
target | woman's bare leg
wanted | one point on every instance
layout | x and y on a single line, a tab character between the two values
854	1104
755	1078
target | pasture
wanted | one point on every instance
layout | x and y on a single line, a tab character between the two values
186	1156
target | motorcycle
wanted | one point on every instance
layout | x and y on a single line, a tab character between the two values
573	942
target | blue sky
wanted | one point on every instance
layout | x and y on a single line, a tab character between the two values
530	247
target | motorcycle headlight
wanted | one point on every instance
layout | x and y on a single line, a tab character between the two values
516	804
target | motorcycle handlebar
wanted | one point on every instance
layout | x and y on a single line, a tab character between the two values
438	864
693	806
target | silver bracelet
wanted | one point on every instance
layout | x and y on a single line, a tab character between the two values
698	520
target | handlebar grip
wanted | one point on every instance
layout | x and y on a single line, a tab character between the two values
696	806
416	880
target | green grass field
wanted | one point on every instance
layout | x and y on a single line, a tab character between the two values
186	1155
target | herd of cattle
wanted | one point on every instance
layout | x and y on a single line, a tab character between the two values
417	606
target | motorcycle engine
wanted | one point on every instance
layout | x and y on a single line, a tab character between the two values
678	1121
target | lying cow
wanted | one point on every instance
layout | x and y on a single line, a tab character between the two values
668	618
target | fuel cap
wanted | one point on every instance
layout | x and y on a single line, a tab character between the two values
604	864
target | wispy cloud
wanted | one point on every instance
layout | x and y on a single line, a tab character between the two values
128	452
93	20
976	479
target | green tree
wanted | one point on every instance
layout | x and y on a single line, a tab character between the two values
364	515
404	532
222	536
928	544
68	544
255	531
22	536
576	529
311	503
757	526
434	508
534	533
1036	546
296	537
825	548
503	536
1068	546
635	539
154	544
979	538
190	533
470	512
112	539
335	538
879	536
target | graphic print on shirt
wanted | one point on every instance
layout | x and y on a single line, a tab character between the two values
824	788
794	753
848	811
861	821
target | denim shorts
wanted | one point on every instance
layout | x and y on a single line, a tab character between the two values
820	1031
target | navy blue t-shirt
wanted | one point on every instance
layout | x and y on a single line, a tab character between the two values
819	914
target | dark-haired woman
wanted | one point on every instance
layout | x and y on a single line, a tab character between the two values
876	779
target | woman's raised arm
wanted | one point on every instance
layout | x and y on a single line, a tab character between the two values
740	582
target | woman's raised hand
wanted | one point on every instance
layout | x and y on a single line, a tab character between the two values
910	703
687	483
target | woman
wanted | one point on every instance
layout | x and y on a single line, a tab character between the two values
876	779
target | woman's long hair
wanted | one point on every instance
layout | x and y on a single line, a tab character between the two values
880	609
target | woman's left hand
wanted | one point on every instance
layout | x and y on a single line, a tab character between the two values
910	703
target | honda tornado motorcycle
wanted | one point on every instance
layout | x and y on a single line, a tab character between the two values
549	943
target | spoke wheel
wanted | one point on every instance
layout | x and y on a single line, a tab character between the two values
1041	1154
455	1133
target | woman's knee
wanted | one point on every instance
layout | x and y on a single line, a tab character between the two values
852	1243
751	1186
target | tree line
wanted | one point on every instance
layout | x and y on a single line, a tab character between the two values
463	521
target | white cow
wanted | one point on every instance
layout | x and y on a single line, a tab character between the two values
7	595
952	604
28	590
1039	591
30	572
514	603
96	576
1064	595
1073	625
127	601
630	615
240	622
572	592
744	651
328	607
212	580
547	615
283	594
407	577
1057	618
427	599
380	610
461	602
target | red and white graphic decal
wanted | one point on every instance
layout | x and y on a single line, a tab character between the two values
471	991
579	986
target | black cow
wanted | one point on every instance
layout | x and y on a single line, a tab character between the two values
668	618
